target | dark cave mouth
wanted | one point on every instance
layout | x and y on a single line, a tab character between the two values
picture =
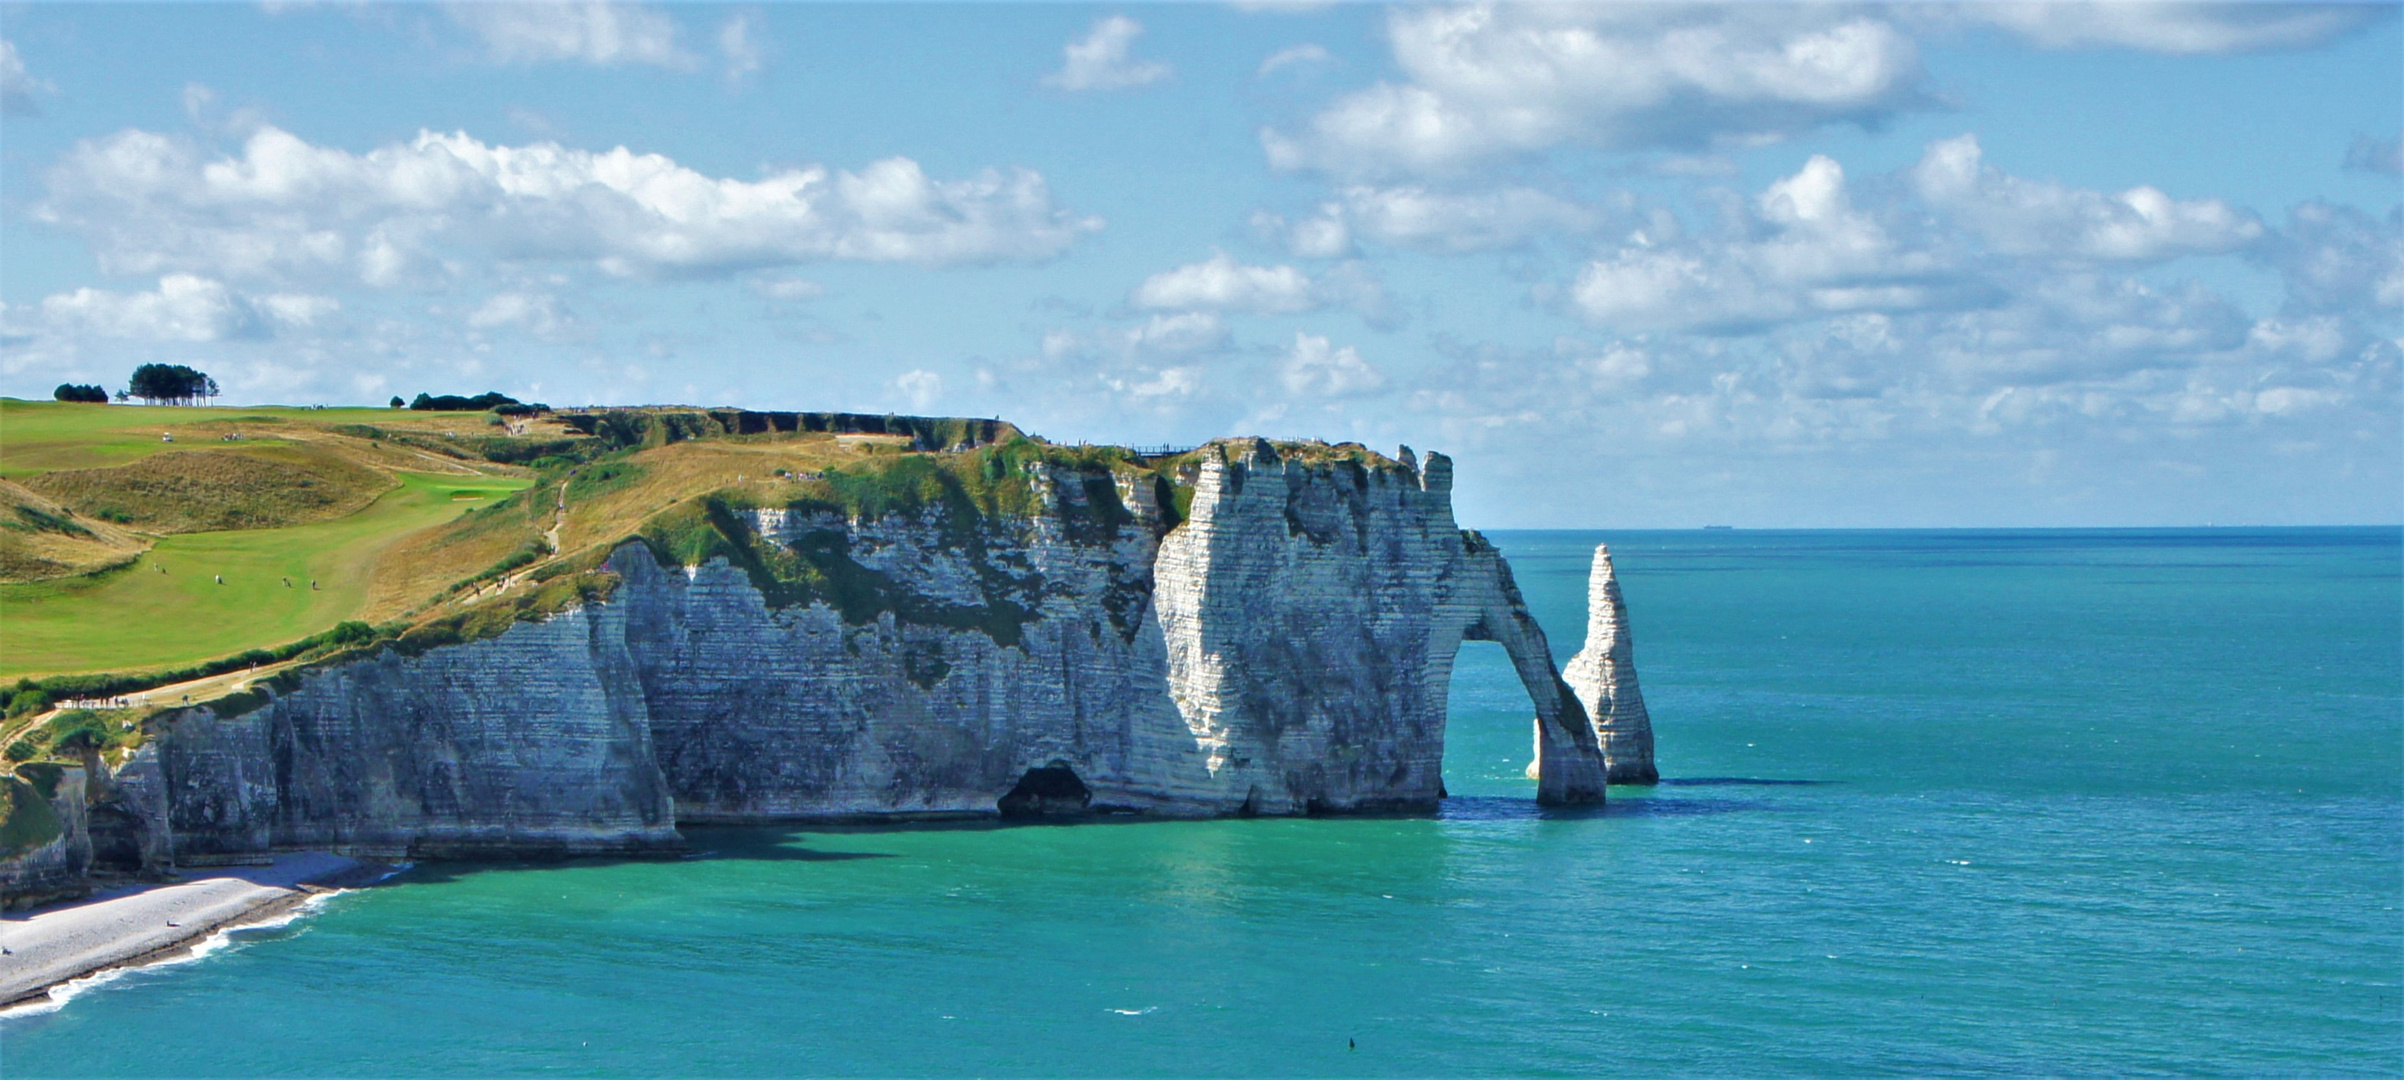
1047	791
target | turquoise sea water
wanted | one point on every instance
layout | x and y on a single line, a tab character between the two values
2062	802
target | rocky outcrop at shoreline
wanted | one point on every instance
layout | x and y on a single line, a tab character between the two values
1604	676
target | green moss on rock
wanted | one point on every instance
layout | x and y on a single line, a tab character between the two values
27	822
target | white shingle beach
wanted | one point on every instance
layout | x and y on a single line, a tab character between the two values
125	927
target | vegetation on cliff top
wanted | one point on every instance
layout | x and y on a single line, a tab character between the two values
27	822
548	498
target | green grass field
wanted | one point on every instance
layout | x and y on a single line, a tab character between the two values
137	617
39	436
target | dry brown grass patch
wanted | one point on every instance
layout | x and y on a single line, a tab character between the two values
39	539
261	487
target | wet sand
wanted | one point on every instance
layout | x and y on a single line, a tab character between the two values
145	923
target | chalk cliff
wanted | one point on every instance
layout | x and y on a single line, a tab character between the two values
1272	633
1604	676
47	826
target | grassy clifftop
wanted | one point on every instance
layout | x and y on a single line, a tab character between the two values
156	539
424	529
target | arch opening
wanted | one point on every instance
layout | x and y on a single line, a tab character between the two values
1486	717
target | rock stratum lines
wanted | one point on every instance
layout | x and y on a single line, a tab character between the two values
1249	629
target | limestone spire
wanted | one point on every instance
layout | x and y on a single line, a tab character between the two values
1604	676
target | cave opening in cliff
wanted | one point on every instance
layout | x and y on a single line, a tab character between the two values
1047	791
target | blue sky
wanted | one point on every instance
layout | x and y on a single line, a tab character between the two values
1634	265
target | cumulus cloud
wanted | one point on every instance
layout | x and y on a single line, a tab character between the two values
2376	155
1220	283
184	307
1099	61
921	387
1487	80
595	32
1956	233
1225	284
1316	368
1185	332
2021	216
407	212
1323	235
2337	259
19	90
1815	254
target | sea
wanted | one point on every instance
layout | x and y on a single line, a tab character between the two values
2062	802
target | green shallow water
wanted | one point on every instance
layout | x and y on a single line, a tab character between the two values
2076	802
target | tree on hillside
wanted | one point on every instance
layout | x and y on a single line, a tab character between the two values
171	384
398	403
90	394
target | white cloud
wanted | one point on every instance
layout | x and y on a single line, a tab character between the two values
1316	368
1293	55
408	212
1485	80
1440	221
1220	283
2376	155
1816	255
1183	333
739	46
198	100
920	386
1225	284
2337	259
19	90
592	31
296	309
1958	233
1099	61
1166	382
1323	235
2158	26
536	313
1488	80
184	307
2020	216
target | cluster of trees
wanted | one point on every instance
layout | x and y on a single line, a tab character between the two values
175	384
155	384
170	384
493	400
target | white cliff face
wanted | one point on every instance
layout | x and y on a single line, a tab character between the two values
1312	613
1019	649
533	742
55	869
1286	649
1604	676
